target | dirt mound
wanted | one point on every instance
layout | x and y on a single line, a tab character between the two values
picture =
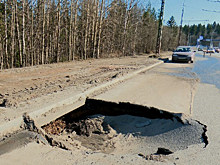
89	126
55	128
93	133
85	127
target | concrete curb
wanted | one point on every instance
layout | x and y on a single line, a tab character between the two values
75	102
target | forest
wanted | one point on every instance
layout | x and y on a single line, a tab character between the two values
36	32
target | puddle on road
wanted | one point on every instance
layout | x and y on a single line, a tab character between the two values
208	70
179	70
185	72
108	127
17	140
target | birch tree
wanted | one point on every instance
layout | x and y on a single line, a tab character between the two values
58	30
23	33
100	29
74	29
6	39
12	33
43	31
18	35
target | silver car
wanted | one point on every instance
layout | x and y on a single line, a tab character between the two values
183	53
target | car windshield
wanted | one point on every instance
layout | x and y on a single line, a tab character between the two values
180	49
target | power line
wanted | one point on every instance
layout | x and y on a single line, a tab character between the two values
181	23
214	1
168	10
211	13
217	6
214	11
195	20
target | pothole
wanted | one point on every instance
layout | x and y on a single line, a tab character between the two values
119	128
115	128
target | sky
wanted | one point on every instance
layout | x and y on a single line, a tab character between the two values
195	11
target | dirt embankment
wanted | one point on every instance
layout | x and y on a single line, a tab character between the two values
21	87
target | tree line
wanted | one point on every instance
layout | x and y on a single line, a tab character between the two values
207	31
36	32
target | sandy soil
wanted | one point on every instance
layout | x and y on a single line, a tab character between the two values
24	90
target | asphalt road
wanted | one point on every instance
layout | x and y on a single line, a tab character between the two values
208	68
169	86
205	110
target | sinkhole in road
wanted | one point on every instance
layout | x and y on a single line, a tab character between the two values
109	127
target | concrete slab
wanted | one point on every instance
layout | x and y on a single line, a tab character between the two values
162	91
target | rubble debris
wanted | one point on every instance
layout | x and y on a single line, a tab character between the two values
159	158
30	125
87	127
55	127
154	157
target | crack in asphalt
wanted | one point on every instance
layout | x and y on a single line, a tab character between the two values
204	136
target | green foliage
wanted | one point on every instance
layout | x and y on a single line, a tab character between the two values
171	22
185	29
150	14
199	29
209	29
193	29
214	25
218	29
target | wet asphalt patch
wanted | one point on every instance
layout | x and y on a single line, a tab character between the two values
17	140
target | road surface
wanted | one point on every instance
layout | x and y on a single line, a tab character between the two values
170	87
206	110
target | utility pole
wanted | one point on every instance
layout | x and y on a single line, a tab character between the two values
159	35
181	23
211	42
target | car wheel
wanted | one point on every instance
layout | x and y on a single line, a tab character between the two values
191	61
